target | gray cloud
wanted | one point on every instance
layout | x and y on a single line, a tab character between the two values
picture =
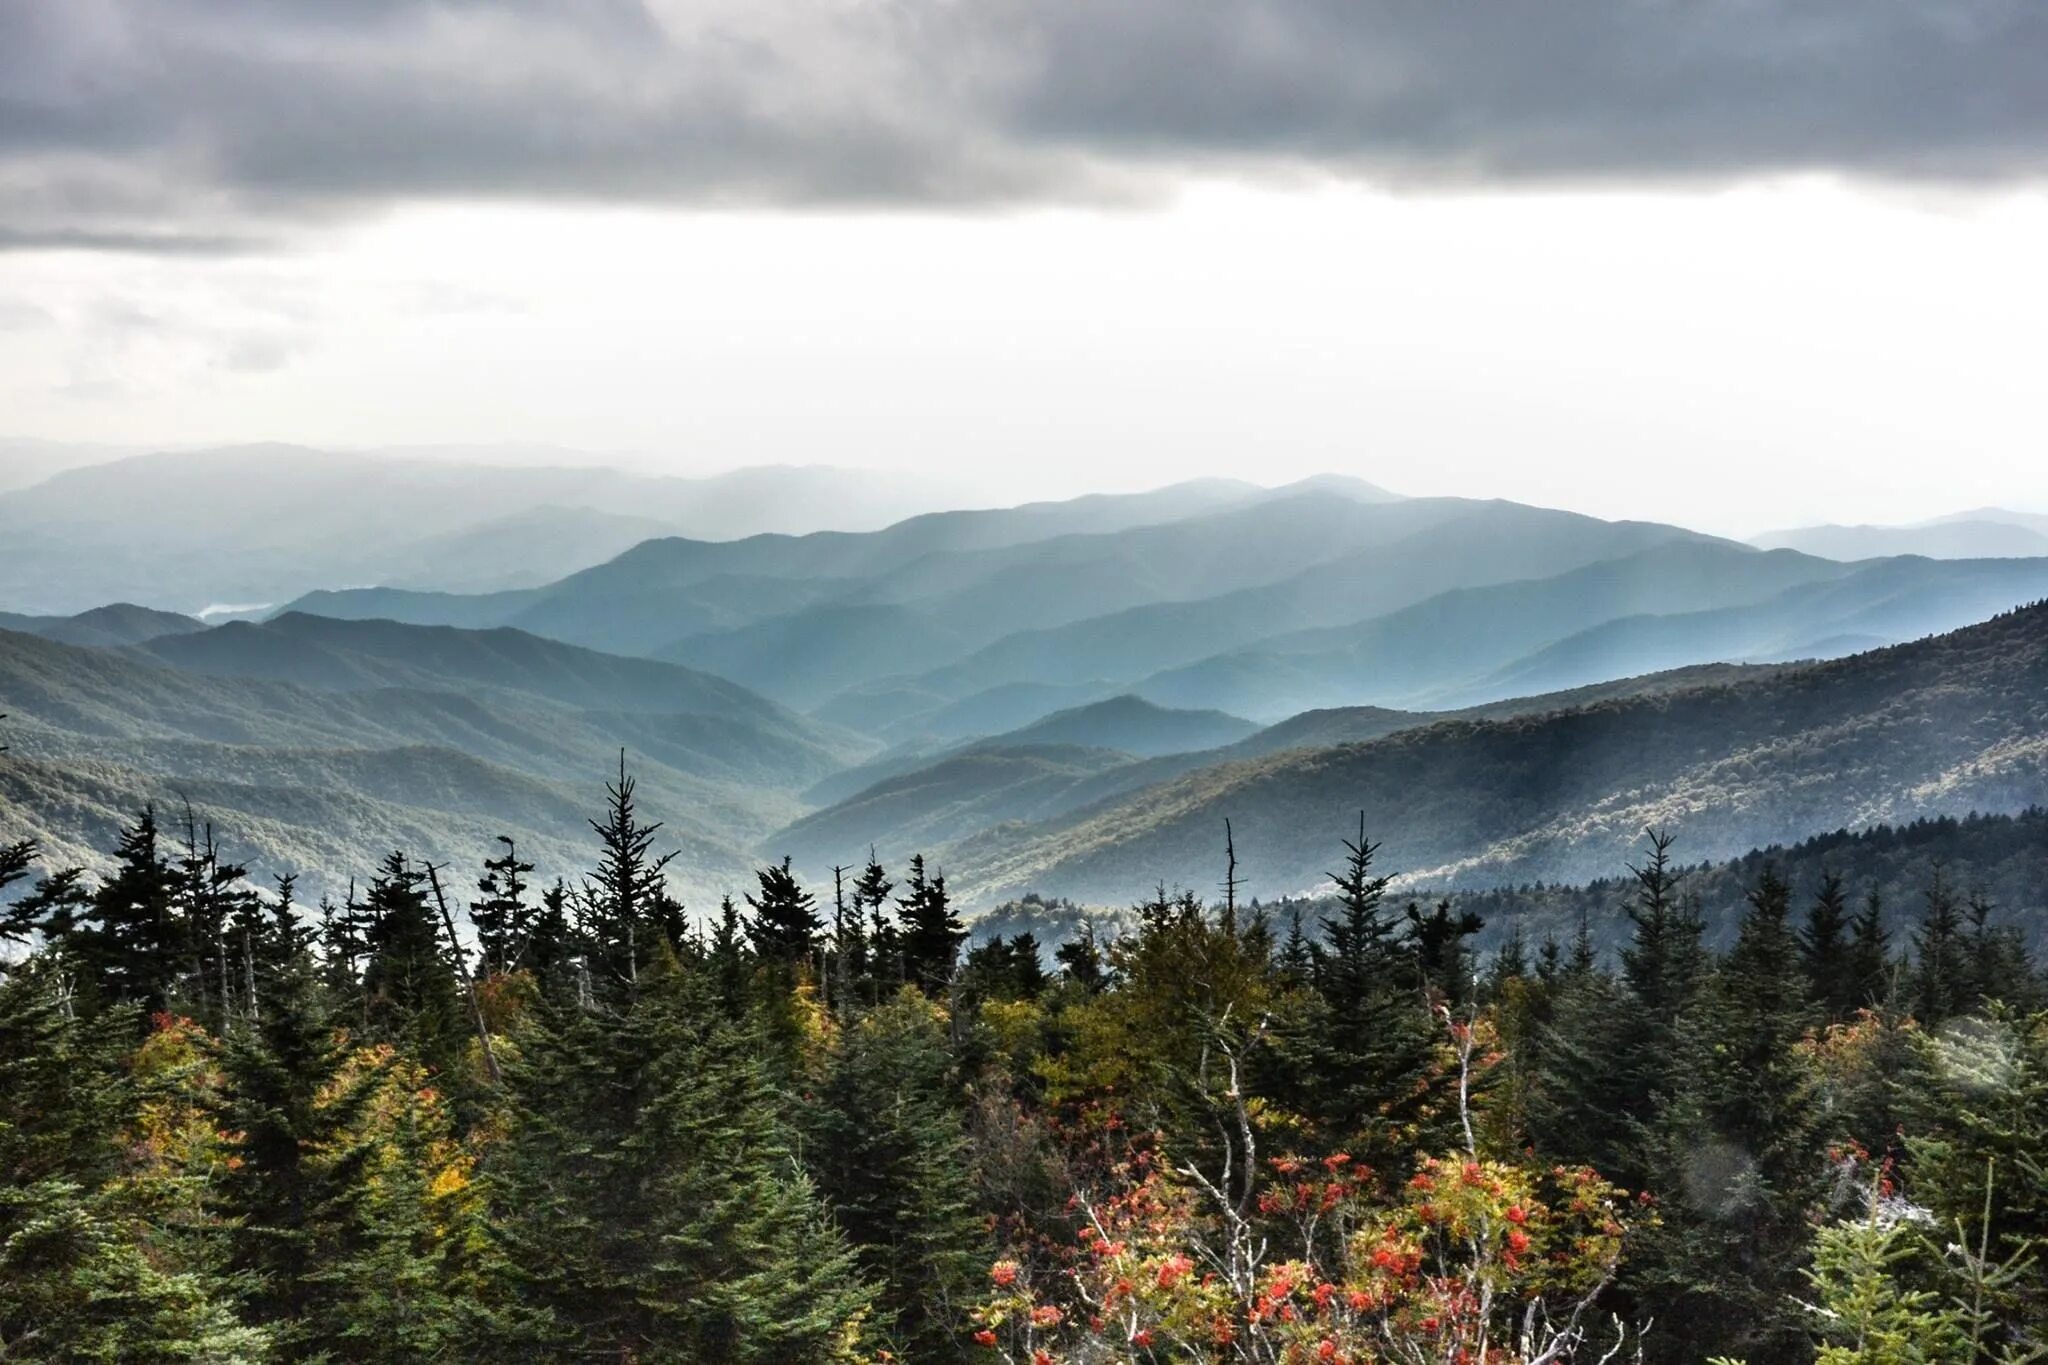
214	125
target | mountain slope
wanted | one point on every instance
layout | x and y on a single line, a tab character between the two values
1944	725
120	623
1943	540
350	655
909	802
265	523
1132	725
1396	559
280	764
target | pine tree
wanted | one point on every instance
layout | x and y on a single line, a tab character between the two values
1869	965
785	923
1941	969
888	1147
130	943
1370	1050
408	982
626	910
932	933
885	950
503	920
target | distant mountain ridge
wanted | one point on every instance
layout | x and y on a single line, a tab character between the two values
118	623
267	523
1985	533
1939	726
320	745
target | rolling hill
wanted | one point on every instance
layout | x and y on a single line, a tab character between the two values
1944	725
119	623
262	524
315	744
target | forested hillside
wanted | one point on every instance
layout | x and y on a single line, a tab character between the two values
1943	725
313	744
461	1114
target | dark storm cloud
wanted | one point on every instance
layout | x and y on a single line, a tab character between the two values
201	124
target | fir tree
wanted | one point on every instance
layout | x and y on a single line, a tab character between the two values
1370	1049
889	1150
408	982
503	920
129	942
932	933
1868	968
1824	951
626	909
784	926
885	950
1941	969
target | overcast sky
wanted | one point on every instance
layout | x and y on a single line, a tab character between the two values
1739	263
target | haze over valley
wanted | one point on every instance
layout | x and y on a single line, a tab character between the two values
1066	697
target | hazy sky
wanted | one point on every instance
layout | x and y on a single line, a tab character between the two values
1739	263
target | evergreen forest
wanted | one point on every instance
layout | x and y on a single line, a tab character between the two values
456	1114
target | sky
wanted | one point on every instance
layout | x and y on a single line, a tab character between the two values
1735	263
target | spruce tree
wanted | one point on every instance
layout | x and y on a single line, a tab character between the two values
278	1069
884	939
932	933
130	942
503	920
408	981
1824	952
784	927
1940	982
646	1204
888	1147
1369	1052
1869	964
626	910
1736	1155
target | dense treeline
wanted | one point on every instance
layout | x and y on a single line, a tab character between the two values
813	1125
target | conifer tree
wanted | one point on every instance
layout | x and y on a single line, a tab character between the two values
1738	1142
1997	957
130	943
1442	962
1080	961
1941	970
885	950
647	1205
888	1146
1869	966
1824	952
1297	952
503	920
932	933
395	1242
626	910
1370	1049
784	926
211	899
408	982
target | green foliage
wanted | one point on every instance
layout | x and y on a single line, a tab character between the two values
889	1149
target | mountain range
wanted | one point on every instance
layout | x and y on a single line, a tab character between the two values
1984	533
1068	697
248	527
